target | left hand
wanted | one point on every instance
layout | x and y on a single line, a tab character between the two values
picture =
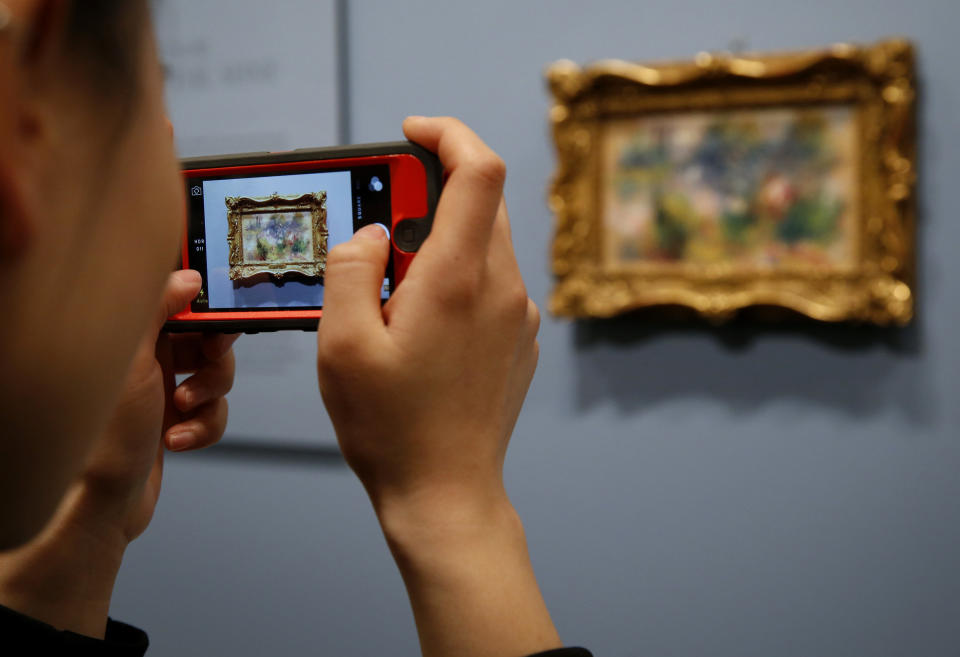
65	576
123	474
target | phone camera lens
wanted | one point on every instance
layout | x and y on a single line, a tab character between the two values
376	185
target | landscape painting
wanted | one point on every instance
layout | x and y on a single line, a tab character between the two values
761	187
277	237
766	189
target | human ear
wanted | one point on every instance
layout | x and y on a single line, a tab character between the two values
41	40
28	63
17	222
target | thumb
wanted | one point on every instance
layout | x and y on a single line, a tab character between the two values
353	283
182	288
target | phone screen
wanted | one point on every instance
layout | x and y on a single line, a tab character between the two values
260	242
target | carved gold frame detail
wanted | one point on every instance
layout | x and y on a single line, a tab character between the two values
878	81
314	205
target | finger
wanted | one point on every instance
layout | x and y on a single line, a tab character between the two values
474	187
205	428
213	380
502	210
182	287
504	279
163	352
533	321
187	352
502	259
353	284
216	346
191	351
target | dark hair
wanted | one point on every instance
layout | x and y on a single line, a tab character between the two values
104	38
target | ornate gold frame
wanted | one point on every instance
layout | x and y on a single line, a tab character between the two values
238	207
878	81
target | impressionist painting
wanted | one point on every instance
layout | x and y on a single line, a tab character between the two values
766	186
277	237
749	189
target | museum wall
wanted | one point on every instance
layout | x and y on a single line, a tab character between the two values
686	490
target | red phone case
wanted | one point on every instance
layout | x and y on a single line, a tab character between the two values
415	181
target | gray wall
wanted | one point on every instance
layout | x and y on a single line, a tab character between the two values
685	493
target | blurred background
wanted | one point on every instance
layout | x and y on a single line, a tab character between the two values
686	490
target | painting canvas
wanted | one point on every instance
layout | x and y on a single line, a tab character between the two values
767	185
773	188
275	237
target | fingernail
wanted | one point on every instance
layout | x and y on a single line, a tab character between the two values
373	232
178	442
416	117
182	397
193	396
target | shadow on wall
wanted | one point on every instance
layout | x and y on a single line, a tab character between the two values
260	451
636	361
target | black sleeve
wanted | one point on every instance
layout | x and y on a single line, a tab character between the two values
22	635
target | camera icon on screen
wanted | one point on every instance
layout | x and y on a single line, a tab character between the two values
196	190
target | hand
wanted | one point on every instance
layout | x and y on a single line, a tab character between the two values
424	394
123	474
65	576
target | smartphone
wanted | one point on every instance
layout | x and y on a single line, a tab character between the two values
259	228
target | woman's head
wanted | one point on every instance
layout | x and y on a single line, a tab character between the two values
90	216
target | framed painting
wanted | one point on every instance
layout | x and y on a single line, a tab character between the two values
730	182
278	236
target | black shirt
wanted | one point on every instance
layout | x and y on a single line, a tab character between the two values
22	635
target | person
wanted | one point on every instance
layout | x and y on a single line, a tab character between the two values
90	202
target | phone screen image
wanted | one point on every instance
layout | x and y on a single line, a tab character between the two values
261	242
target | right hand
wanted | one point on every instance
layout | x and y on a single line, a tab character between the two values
424	392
